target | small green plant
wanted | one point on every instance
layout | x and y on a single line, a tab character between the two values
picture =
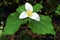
39	24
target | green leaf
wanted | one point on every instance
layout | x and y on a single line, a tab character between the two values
0	33
20	9
43	27
37	7
13	24
58	10
17	1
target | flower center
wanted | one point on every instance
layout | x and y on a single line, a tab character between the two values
29	13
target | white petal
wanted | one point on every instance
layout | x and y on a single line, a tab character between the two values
28	7
23	15
35	16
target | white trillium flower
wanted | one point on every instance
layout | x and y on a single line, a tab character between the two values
29	13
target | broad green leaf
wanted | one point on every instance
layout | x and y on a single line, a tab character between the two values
20	9
43	27
13	24
58	10
37	7
0	33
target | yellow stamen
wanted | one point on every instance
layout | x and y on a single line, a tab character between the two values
29	13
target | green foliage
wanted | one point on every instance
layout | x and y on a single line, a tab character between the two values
13	24
58	10
37	7
0	32
17	1
43	27
4	38
20	9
